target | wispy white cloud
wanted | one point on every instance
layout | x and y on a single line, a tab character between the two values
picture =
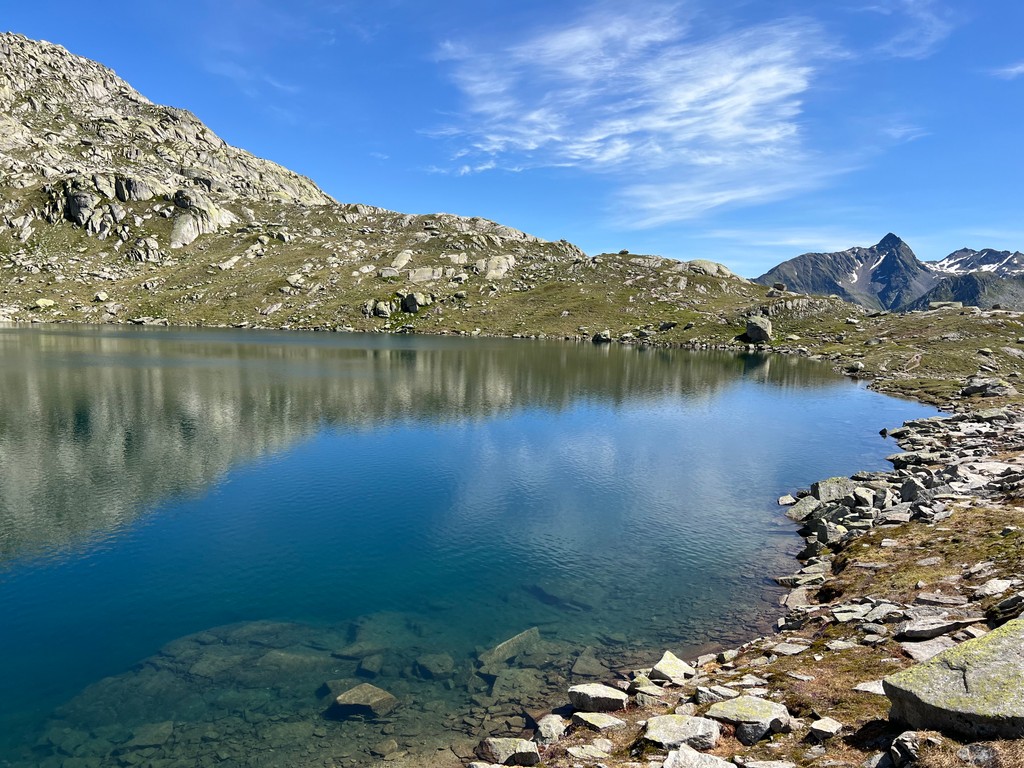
465	170
923	26
689	122
759	180
800	240
250	80
239	37
1011	72
903	132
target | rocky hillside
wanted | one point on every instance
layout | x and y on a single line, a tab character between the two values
884	276
74	123
118	210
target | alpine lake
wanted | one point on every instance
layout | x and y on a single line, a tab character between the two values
206	535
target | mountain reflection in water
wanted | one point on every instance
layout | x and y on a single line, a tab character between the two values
97	425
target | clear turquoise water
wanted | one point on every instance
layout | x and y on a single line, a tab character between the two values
196	526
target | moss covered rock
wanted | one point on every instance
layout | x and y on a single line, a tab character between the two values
974	690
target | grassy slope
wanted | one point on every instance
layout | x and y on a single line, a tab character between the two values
552	291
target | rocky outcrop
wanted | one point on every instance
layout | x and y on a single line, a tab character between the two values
198	215
974	690
988	386
976	289
54	103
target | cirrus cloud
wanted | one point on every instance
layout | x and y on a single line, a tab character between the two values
688	121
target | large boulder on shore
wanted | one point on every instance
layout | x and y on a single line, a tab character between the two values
832	489
974	691
988	387
759	329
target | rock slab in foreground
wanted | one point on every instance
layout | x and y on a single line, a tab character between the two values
509	751
688	757
754	718
671	731
595	697
974	691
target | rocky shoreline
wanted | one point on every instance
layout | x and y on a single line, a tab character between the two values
900	644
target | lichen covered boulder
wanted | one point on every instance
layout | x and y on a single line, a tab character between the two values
670	731
974	690
672	669
753	718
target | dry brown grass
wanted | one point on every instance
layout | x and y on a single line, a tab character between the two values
1008	754
972	535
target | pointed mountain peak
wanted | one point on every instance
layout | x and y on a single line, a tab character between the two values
889	242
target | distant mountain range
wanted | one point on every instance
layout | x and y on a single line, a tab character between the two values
976	289
965	261
889	276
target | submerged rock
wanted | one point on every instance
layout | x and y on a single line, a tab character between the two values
364	700
435	666
512	647
973	691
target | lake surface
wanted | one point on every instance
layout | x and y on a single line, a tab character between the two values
199	529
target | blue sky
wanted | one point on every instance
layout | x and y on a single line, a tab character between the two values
738	130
